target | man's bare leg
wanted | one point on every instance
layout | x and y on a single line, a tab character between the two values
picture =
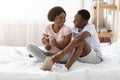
74	44
69	48
82	50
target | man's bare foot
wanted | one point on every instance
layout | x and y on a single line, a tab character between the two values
68	65
58	57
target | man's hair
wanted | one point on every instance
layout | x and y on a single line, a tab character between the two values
55	11
84	14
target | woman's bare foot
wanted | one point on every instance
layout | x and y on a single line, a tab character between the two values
30	55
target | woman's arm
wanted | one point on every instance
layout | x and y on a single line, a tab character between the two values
45	39
66	41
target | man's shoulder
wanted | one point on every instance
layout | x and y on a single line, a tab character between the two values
90	24
65	28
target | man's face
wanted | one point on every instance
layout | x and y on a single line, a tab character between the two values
78	21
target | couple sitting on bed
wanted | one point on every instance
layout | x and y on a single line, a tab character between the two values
84	47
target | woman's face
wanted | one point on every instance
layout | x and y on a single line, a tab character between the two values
60	19
78	21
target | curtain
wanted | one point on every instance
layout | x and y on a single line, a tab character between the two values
22	21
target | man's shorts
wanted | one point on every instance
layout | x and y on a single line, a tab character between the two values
92	57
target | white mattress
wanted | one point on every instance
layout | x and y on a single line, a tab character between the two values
16	65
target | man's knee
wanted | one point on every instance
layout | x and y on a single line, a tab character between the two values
82	42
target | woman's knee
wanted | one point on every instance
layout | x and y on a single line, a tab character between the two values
30	46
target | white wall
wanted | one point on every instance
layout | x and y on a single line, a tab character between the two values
116	18
22	21
117	21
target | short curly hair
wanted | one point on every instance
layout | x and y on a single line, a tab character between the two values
55	11
84	14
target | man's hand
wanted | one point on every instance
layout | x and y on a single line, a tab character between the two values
58	57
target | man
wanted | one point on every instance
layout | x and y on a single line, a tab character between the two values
85	45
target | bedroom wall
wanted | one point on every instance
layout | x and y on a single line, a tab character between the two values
118	36
117	21
22	21
116	18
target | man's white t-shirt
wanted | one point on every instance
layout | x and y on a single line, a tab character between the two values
92	40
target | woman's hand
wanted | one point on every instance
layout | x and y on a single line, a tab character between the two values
53	42
45	41
48	47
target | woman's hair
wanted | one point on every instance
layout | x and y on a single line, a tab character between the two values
55	11
84	14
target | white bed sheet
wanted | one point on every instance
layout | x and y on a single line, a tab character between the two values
16	65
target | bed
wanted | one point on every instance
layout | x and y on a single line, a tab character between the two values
16	65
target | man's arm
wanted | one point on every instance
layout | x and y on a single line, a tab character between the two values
71	46
83	36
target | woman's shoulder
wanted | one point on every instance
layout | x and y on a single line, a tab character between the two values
66	27
48	26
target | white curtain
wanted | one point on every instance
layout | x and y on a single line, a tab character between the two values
22	21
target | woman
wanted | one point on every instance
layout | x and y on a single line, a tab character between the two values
56	36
